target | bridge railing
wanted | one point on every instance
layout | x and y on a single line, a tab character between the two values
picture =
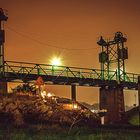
22	70
131	77
43	69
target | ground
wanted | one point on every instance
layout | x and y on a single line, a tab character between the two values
29	117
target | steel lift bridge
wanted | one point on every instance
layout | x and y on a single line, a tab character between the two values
111	83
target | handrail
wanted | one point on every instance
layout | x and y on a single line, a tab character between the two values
33	68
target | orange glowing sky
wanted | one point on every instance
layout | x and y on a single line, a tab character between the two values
39	29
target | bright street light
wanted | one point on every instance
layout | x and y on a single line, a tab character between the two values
56	61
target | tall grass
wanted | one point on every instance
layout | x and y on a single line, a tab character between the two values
134	120
107	136
41	133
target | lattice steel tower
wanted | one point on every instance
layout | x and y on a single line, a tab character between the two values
112	57
3	18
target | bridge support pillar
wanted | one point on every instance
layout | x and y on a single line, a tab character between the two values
3	87
73	92
112	99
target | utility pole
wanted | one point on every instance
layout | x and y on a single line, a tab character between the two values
139	97
3	83
3	18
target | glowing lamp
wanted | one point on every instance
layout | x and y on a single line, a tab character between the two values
75	106
56	61
49	95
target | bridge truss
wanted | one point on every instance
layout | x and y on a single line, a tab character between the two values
63	75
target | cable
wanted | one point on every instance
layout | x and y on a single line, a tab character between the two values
43	43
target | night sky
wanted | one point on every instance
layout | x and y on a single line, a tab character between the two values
37	30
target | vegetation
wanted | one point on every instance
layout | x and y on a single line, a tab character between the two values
54	132
133	116
24	88
58	131
134	120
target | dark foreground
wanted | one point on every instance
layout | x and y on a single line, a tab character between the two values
30	118
55	132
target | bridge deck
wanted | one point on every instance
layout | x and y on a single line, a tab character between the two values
28	72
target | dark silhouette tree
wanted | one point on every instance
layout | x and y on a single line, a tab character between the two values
24	88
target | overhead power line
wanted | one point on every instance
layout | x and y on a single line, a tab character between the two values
45	43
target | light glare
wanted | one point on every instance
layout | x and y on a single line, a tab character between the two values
56	61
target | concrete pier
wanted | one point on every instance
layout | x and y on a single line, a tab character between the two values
73	92
112	99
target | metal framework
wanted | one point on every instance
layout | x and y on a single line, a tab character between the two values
3	18
28	72
112	56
